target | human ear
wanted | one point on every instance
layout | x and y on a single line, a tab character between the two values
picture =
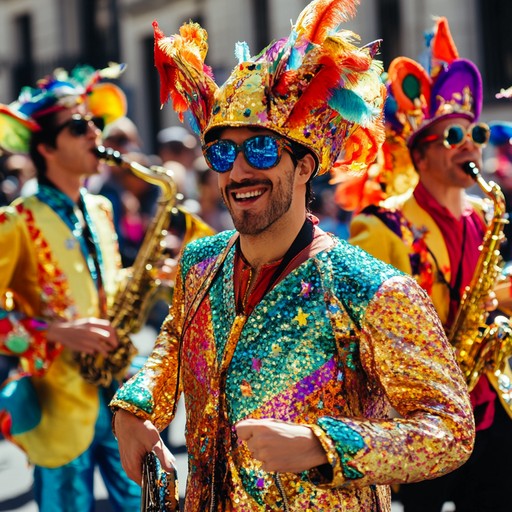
306	166
45	149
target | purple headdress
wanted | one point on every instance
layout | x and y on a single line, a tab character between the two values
447	87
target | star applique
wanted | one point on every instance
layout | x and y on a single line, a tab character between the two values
305	289
276	350
302	318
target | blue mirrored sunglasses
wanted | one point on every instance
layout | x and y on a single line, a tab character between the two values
261	152
78	125
455	135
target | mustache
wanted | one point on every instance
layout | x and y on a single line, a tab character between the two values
234	186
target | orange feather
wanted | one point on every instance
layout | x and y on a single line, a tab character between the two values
403	72
321	16
286	80
443	45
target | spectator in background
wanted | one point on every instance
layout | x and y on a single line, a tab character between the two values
16	171
177	144
138	201
121	135
133	199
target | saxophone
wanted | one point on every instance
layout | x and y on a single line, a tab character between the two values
479	347
132	302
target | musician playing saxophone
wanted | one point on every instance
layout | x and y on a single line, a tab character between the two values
434	232
59	262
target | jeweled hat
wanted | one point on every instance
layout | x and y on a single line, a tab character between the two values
446	86
315	87
57	91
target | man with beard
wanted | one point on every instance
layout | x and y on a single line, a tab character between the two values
291	346
435	232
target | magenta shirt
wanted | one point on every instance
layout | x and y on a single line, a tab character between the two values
462	237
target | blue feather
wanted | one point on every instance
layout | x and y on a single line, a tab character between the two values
281	59
295	59
190	118
351	106
242	52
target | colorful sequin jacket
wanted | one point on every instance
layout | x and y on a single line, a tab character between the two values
337	343
43	266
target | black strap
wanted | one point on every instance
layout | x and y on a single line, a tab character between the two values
302	240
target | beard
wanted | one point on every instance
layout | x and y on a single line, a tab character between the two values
247	222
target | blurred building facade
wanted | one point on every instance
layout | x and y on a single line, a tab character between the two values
38	35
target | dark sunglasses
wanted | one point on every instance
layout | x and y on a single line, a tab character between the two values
261	152
455	135
78	125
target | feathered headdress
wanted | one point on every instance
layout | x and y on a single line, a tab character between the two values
448	86
315	87
60	90
417	97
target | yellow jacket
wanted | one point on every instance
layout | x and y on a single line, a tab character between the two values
42	266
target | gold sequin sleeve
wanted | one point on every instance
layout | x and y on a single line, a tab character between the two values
405	353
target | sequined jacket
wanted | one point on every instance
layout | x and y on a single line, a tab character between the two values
42	265
336	344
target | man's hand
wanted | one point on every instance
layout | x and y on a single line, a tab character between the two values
280	446
503	291
89	335
491	302
136	437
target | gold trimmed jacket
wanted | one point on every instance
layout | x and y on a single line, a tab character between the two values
44	271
